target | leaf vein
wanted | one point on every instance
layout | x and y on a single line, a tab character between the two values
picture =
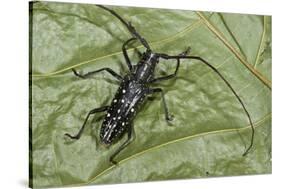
261	42
178	140
213	29
162	41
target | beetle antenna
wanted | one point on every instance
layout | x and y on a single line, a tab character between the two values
131	28
165	56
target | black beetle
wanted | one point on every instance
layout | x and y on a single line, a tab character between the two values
134	88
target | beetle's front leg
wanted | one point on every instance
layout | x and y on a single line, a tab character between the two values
176	71
85	76
124	50
168	117
131	136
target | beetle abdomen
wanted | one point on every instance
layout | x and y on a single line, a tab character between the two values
123	109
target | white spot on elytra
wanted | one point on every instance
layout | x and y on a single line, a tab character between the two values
114	118
123	123
132	110
118	111
122	101
108	115
114	100
119	117
123	91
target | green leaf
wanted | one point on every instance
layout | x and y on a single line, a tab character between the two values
210	131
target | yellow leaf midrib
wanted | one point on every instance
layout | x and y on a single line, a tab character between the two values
257	124
221	37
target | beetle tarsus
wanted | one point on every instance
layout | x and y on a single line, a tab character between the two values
113	162
170	118
77	74
72	137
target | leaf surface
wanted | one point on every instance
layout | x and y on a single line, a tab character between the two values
210	130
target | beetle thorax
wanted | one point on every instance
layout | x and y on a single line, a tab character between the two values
146	66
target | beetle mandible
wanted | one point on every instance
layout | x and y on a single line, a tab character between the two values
134	87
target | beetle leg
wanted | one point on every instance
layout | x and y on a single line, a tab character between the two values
126	54
131	136
168	117
78	135
165	56
176	71
85	76
140	55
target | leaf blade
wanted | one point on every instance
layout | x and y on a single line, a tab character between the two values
199	100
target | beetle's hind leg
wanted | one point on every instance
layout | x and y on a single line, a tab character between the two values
131	136
78	135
